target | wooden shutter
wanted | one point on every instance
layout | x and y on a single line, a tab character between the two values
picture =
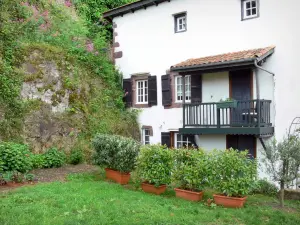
152	91
196	86
166	90
166	139
127	88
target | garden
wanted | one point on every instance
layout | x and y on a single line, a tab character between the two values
134	184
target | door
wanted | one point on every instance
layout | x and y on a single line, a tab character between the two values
241	90
242	142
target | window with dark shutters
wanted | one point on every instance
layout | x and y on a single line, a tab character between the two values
166	139
127	88
196	87
166	90
152	90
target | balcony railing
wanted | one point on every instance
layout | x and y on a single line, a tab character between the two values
248	113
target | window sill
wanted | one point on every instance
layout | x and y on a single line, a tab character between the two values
250	18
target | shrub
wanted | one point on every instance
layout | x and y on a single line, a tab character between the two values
154	164
76	156
15	157
265	187
190	169
115	152
232	173
54	158
30	177
2	180
38	161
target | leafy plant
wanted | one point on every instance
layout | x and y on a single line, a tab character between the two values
38	161
54	158
231	172
29	177
190	169
15	157
265	187
2	180
76	156
115	152
17	177
154	164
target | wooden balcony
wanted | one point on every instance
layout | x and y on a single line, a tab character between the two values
251	117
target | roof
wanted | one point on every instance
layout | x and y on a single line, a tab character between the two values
241	57
131	7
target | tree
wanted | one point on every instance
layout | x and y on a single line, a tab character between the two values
282	161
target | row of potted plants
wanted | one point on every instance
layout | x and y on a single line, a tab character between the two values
190	171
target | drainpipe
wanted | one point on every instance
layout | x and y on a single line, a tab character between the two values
259	67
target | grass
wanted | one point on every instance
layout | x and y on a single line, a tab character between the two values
87	200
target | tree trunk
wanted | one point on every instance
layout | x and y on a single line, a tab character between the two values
281	197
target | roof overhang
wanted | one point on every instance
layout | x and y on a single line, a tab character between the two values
131	8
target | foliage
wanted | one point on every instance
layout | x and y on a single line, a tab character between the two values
15	157
154	164
231	172
282	161
38	161
265	187
76	156
29	177
115	152
54	158
2	180
17	177
190	169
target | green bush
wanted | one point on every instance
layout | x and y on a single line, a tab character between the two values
190	169
15	157
115	152
154	164
38	161
54	158
265	187
231	172
76	156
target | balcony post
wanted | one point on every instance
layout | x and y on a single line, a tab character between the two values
183	99
258	112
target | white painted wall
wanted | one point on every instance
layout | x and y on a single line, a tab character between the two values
149	43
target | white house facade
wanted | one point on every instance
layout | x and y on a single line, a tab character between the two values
179	58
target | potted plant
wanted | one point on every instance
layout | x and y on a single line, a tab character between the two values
117	155
189	173
227	103
154	166
233	175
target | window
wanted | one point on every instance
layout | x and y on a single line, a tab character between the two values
142	92
180	22
146	136
179	88
183	141
249	9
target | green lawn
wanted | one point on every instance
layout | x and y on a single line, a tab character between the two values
86	200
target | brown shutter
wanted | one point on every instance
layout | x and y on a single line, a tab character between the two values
196	86
127	87
166	139
152	91
166	90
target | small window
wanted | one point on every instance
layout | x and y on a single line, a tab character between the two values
180	22
146	136
179	88
142	92
249	9
183	141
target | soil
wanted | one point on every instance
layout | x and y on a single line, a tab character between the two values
52	174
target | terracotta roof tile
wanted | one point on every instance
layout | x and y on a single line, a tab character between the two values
233	56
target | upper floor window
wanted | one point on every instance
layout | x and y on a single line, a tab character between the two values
146	136
180	22
179	88
142	92
250	9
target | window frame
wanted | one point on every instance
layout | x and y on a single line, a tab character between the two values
145	93
144	136
180	16
189	89
187	142
244	9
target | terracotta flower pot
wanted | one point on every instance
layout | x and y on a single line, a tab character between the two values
152	189
189	195
117	176
229	202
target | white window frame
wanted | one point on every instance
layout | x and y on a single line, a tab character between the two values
180	22
146	135
188	89
142	92
244	8
183	143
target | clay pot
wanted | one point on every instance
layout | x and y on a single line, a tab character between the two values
117	176
149	188
189	195
229	202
